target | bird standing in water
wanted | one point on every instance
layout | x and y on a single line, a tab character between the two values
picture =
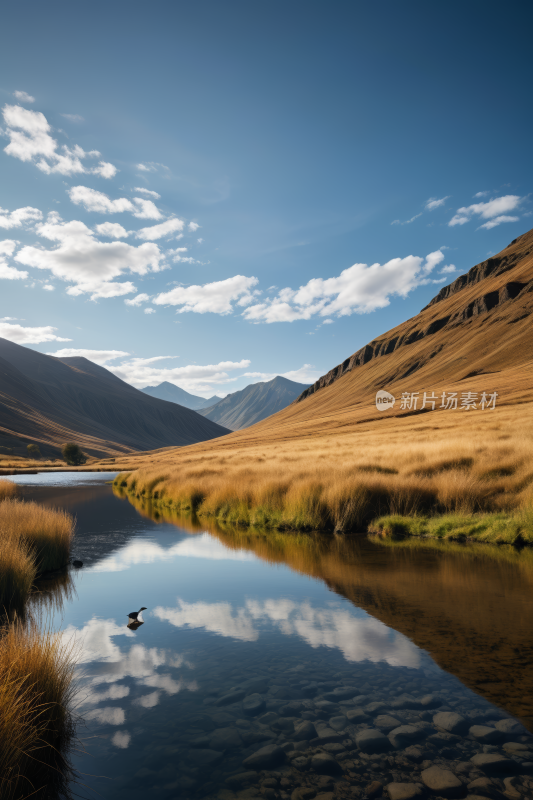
134	615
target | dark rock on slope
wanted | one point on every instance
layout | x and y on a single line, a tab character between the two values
254	403
49	401
173	394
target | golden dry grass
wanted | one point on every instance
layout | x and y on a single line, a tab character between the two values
8	490
46	533
36	689
459	464
17	574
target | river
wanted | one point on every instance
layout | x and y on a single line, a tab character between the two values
270	662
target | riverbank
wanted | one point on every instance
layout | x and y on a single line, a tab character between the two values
36	668
344	482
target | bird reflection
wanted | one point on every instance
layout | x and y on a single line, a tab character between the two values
135	624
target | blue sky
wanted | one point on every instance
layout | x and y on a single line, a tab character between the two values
216	193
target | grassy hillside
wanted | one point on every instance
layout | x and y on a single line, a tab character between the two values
333	460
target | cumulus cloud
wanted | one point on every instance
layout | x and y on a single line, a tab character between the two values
360	289
494	210
148	192
30	140
149	311
407	221
113	230
24	97
21	335
193	226
195	378
449	268
167	228
18	217
138	300
97	356
92	200
435	202
7	248
92	266
217	297
48	287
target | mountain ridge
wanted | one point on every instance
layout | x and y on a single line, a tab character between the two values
50	400
175	394
253	404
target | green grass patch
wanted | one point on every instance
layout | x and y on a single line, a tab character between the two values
504	528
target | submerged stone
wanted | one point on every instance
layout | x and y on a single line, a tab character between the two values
442	782
451	722
372	741
404	791
325	764
266	757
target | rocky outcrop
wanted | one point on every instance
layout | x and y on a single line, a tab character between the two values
481	305
496	265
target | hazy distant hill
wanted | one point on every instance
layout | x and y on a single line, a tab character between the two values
51	400
173	394
254	403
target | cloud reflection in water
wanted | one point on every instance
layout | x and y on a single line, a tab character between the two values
358	637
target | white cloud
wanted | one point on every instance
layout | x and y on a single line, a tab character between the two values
136	301
481	194
305	374
24	97
214	297
48	287
193	226
147	191
92	266
31	141
18	217
195	378
7	248
149	310
494	210
360	289
166	228
407	221
21	335
151	166
492	223
11	273
73	117
449	268
435	202
92	200
113	230
97	356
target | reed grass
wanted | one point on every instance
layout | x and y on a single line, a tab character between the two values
45	533
36	692
18	571
8	490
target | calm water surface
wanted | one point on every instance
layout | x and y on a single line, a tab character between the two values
335	655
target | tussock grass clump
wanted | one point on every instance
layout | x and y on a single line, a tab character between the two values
503	528
341	478
17	574
36	691
8	490
46	533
